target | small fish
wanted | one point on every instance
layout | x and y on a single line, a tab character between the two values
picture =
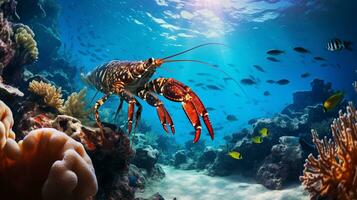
199	84
219	128
266	93
275	52
264	132
247	81
213	87
323	65
354	84
338	45
227	79
301	50
319	58
82	52
333	101
191	81
259	68
270	81
305	75
202	74
273	59
236	155
210	109
257	140
231	118
283	82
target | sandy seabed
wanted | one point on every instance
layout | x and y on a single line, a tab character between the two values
193	185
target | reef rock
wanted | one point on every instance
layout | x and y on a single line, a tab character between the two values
146	157
284	164
320	91
180	158
206	158
156	196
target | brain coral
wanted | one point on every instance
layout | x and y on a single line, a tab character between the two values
46	164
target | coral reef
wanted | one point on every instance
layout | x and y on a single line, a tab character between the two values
59	166
333	174
26	44
75	106
52	96
17	48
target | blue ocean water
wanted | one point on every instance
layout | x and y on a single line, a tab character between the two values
97	31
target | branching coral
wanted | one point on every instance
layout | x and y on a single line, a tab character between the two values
75	106
46	164
333	175
24	40
52	96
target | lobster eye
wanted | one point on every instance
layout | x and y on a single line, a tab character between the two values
151	60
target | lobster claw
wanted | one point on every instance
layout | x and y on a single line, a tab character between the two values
191	104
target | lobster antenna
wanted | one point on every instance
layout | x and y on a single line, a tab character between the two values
195	47
211	65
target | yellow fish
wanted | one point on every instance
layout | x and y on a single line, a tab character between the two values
264	132
236	155
257	140
333	101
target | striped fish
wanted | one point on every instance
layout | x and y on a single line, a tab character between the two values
338	45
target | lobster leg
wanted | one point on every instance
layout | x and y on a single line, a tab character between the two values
97	105
192	105
118	110
130	99
162	113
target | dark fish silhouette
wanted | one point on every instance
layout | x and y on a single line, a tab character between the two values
282	82
247	81
301	50
202	74
319	58
227	79
270	81
266	93
305	75
275	52
273	59
213	87
231	118
191	81
210	109
259	68
199	84
82	52
324	65
231	65
219	128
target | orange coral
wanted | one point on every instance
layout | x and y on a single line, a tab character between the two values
46	164
333	174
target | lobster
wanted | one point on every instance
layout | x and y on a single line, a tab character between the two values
130	79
